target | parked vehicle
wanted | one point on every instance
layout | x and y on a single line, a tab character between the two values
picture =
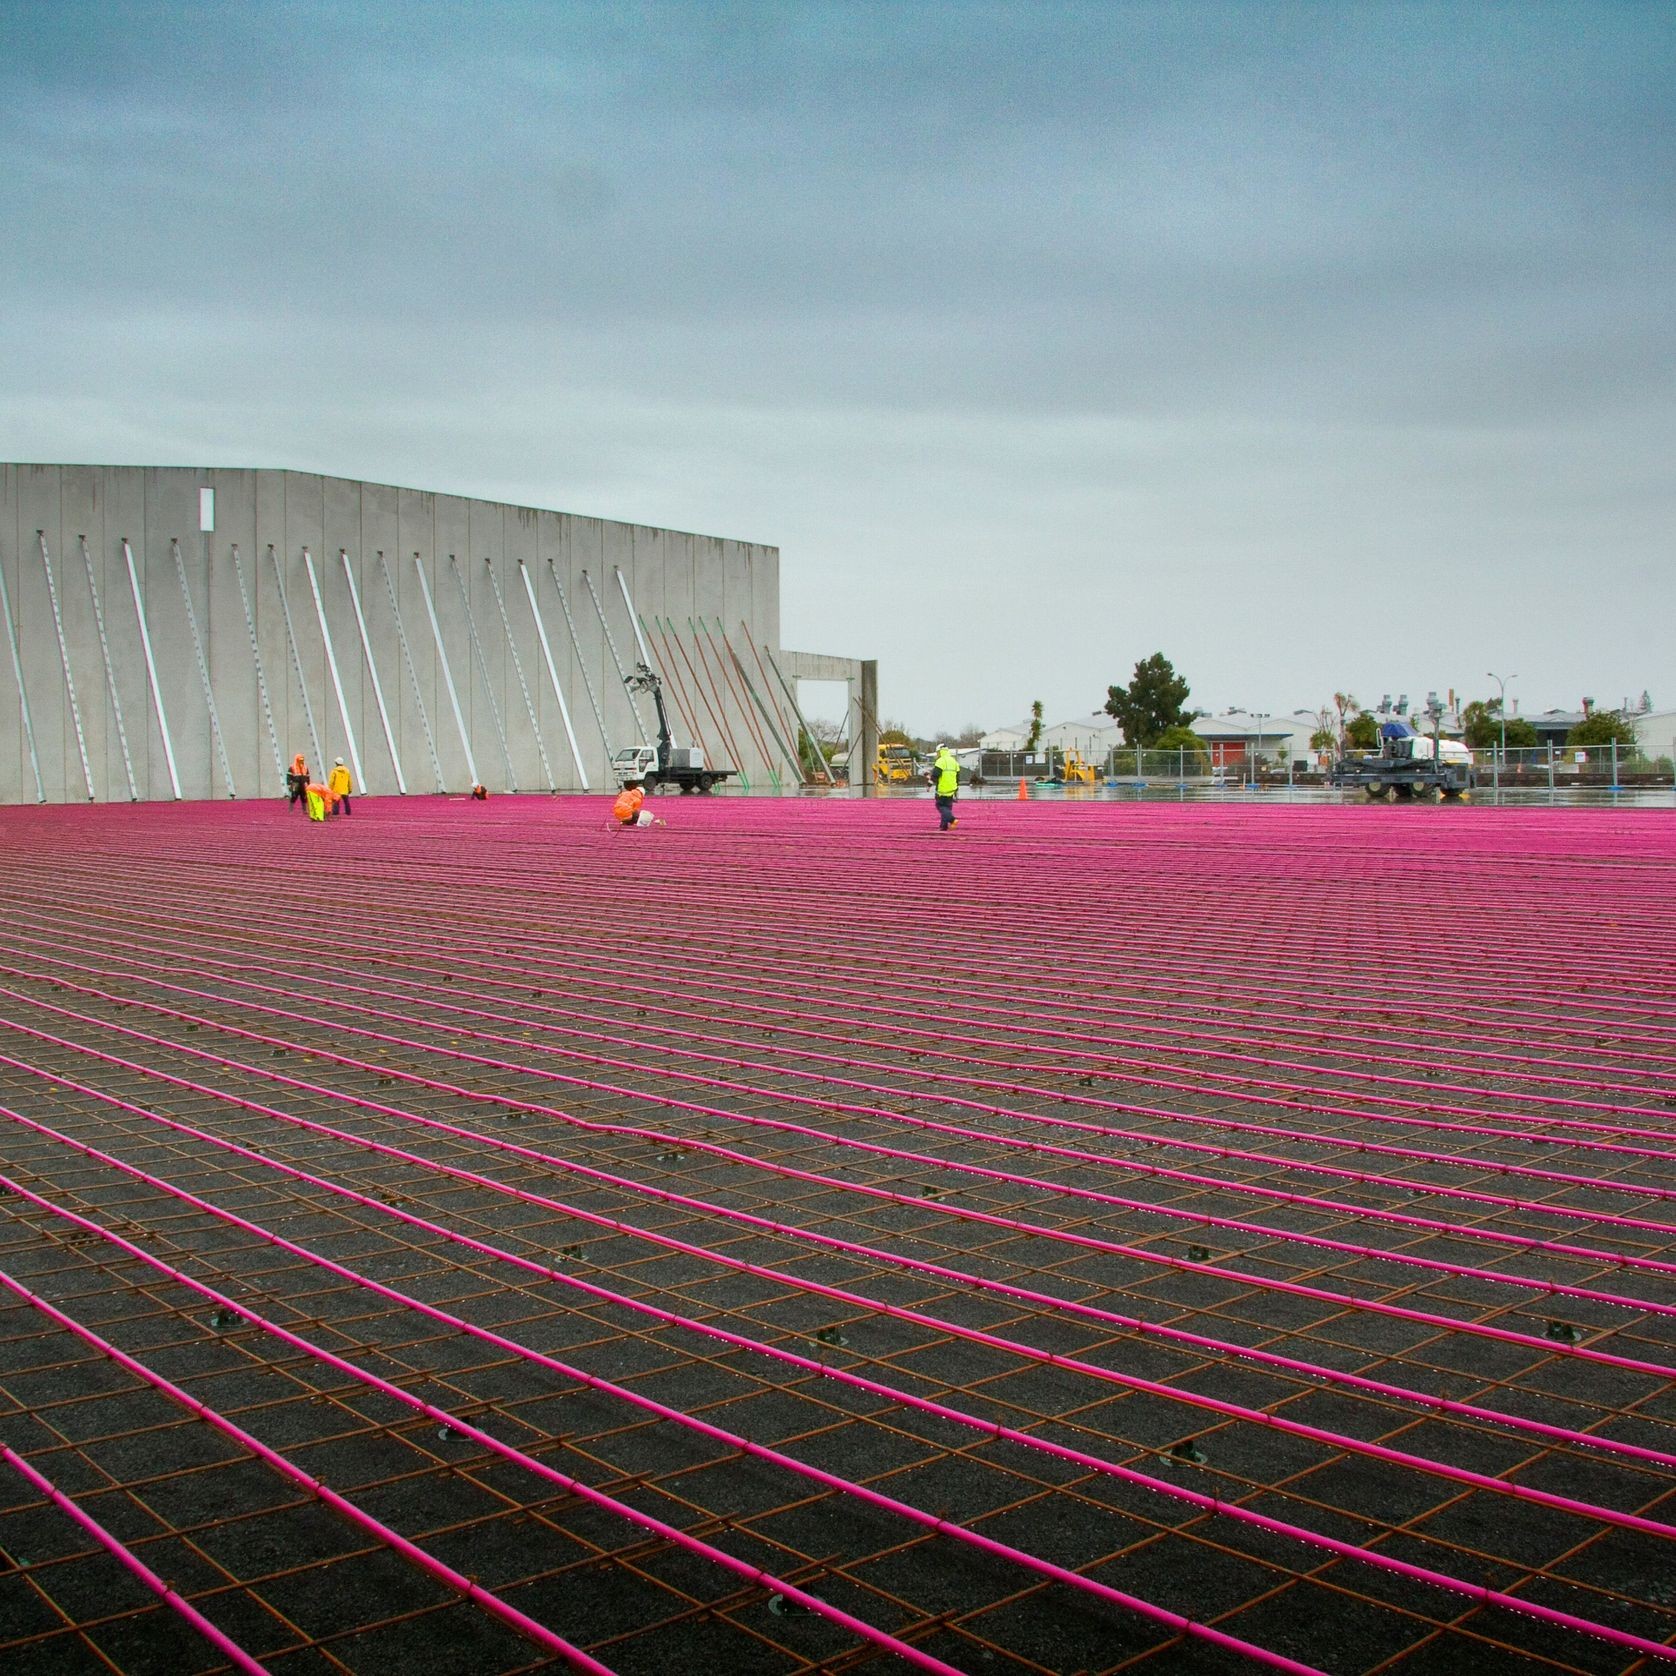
665	766
1407	764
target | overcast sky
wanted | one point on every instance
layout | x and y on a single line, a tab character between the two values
1317	346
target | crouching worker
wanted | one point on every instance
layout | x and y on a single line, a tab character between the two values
337	782
316	798
627	810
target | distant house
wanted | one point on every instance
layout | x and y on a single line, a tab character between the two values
1013	738
1238	736
1091	737
1553	725
1655	733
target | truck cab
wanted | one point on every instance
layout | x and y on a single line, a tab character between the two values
634	764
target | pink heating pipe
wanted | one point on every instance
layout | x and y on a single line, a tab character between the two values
1565	1435
1463	1048
229	1649
1344	1300
1229	1410
371	934
1199	1219
825	1370
1232	1510
989	1138
1078	959
1396	1183
1292	1096
1203	1219
185	957
737	859
689	1422
414	1555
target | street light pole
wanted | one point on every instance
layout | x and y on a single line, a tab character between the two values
1501	706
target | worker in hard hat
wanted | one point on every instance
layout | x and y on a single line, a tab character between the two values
337	783
627	810
296	780
945	783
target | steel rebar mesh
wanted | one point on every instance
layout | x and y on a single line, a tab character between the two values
465	1237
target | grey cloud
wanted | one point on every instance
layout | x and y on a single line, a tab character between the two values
1186	320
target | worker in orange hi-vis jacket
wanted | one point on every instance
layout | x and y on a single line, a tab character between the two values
296	780
315	799
627	810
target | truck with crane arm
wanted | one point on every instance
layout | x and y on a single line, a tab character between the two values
665	766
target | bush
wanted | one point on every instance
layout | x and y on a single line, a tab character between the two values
1196	759
1602	728
1361	732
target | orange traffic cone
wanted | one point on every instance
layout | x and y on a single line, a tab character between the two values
1023	791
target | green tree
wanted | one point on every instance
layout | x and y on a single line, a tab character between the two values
1481	722
1035	728
1196	754
1361	732
1603	728
1153	701
895	736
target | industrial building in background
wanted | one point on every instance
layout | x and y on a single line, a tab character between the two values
182	633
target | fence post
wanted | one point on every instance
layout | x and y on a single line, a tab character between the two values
1550	767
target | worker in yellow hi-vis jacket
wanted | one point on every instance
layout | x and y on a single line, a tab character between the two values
945	783
337	783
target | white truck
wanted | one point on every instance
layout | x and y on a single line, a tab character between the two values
664	766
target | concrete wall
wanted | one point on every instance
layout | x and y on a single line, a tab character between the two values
706	606
861	710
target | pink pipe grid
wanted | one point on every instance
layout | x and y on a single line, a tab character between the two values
263	1069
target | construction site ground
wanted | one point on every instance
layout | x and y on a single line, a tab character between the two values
465	1237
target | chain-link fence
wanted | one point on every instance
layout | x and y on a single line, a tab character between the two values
1554	767
1123	763
1559	766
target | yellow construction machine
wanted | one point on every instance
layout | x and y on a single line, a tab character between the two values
895	766
1077	771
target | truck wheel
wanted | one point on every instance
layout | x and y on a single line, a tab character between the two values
705	782
1377	790
649	784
